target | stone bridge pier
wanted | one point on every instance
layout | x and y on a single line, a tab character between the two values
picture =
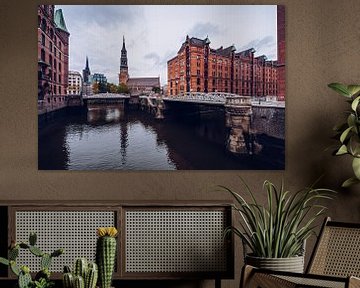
238	111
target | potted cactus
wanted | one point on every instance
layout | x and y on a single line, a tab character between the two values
42	278
84	275
106	254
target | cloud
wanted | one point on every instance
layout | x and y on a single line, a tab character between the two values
103	15
260	44
202	29
153	57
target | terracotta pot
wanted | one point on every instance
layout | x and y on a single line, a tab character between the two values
291	264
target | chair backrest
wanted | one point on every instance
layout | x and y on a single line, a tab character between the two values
337	251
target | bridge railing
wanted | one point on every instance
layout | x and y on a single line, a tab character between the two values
106	96
214	97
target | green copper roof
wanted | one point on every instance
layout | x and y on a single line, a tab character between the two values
60	21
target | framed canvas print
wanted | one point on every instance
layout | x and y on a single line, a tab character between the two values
141	87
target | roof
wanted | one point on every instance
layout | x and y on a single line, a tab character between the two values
60	21
195	41
225	52
143	81
246	52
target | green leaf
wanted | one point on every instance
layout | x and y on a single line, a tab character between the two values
345	134
354	145
4	261
353	89
340	88
349	182
351	120
342	150
356	167
355	103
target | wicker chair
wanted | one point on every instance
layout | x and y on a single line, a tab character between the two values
334	263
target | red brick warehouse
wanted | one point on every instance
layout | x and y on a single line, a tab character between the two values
53	59
199	68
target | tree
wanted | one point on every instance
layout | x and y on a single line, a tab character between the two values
123	89
156	89
102	87
95	88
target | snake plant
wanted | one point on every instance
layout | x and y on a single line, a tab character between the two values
348	133
279	228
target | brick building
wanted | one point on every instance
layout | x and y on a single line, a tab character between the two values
281	51
199	68
53	59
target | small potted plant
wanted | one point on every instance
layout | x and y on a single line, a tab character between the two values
348	132
276	233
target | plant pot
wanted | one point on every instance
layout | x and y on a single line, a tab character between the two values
291	264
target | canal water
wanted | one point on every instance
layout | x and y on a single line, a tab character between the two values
107	138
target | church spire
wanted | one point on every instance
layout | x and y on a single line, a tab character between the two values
123	47
86	71
123	59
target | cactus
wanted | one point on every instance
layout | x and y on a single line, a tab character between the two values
68	280
91	276
13	253
42	278
80	268
79	282
36	251
105	254
24	280
45	261
88	273
32	239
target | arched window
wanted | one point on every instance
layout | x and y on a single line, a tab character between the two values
39	21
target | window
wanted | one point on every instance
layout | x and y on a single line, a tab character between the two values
55	65
198	72
51	46
43	39
50	60
43	55
60	67
198	81
59	89
43	25
59	78
55	77
198	89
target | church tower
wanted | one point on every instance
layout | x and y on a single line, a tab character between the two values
86	72
123	75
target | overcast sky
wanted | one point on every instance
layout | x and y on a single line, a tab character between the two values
154	33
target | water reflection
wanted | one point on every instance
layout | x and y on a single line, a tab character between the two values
110	138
